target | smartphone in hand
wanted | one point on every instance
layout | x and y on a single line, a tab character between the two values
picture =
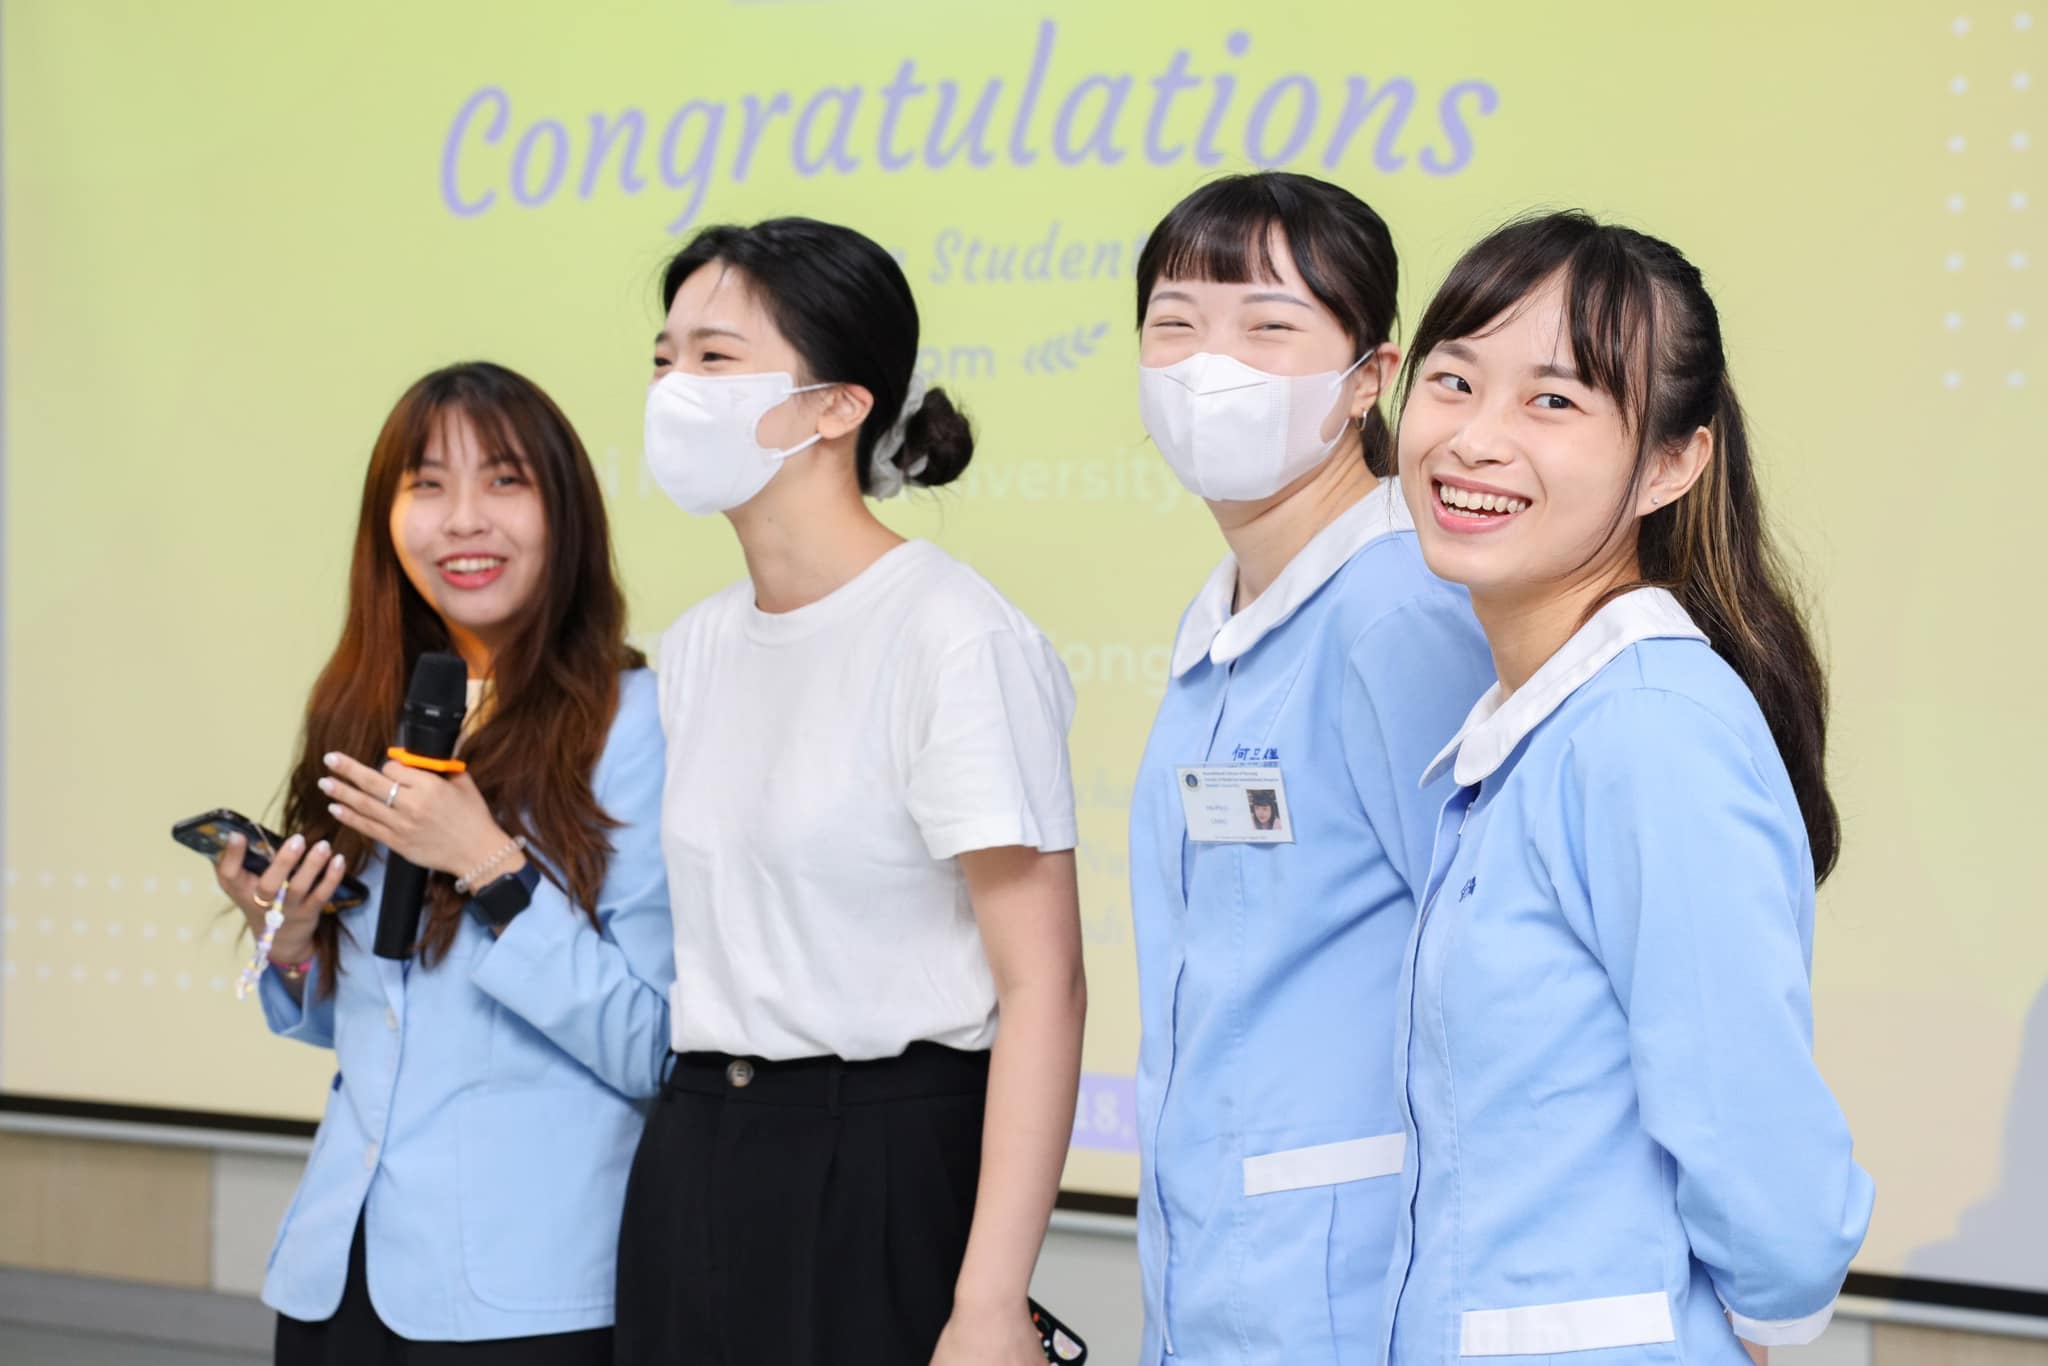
1058	1340
208	834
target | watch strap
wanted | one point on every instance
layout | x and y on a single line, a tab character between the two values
500	900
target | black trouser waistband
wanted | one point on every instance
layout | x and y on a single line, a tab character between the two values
923	1071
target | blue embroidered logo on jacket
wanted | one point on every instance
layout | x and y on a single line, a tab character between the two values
1253	753
1471	884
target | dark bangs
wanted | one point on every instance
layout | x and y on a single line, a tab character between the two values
1610	302
519	427
1223	232
471	393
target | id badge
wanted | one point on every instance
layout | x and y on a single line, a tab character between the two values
1235	804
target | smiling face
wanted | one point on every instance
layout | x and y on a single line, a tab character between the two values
471	535
1521	475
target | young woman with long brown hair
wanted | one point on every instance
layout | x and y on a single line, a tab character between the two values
1618	1139
462	1199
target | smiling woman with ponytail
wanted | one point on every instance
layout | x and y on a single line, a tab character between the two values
1617	1137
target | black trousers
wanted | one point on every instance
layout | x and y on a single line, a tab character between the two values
355	1336
808	1213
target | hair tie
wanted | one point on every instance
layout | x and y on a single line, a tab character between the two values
885	475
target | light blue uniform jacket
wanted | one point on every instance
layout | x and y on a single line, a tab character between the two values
1616	1127
1269	1132
486	1109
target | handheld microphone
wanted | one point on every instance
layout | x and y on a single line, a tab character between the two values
428	729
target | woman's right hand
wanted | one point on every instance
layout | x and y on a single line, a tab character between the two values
313	875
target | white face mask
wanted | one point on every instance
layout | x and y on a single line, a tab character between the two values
700	442
1234	434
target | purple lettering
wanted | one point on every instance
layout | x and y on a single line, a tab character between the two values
942	254
1455	127
1304	121
1358	108
1280	126
522	161
1205	145
697	176
936	154
1041	59
604	132
1100	142
757	116
893	96
1038	260
451	151
1236	44
1169	83
844	98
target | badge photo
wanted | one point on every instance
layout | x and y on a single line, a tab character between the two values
1235	804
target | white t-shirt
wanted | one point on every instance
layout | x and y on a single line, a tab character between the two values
825	768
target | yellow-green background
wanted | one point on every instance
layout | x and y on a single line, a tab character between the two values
226	254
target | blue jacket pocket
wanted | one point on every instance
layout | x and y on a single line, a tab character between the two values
542	1183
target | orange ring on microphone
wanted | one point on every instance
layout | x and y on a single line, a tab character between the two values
411	760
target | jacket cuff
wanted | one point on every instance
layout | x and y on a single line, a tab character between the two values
286	1017
1781	1332
535	937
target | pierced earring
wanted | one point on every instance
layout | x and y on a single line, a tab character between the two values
1655	500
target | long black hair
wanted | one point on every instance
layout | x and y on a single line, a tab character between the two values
1224	232
845	307
1644	331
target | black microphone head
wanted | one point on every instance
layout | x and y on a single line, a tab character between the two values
440	680
435	704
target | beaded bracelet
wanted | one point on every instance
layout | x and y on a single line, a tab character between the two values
273	920
470	881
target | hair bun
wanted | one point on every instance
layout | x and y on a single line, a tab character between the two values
939	436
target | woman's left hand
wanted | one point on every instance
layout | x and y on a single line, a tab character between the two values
996	1336
439	823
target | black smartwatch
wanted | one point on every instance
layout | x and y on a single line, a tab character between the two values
498	901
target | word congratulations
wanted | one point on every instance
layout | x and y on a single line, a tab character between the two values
917	121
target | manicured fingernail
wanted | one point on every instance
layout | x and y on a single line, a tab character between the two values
320	851
339	862
331	760
295	843
333	809
325	784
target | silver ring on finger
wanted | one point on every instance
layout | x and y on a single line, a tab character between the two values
391	797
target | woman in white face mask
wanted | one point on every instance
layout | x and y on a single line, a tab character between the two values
1278	828
869	828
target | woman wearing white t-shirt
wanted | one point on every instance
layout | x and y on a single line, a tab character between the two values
869	829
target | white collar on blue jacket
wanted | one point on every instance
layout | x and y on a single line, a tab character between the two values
1211	629
1493	728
